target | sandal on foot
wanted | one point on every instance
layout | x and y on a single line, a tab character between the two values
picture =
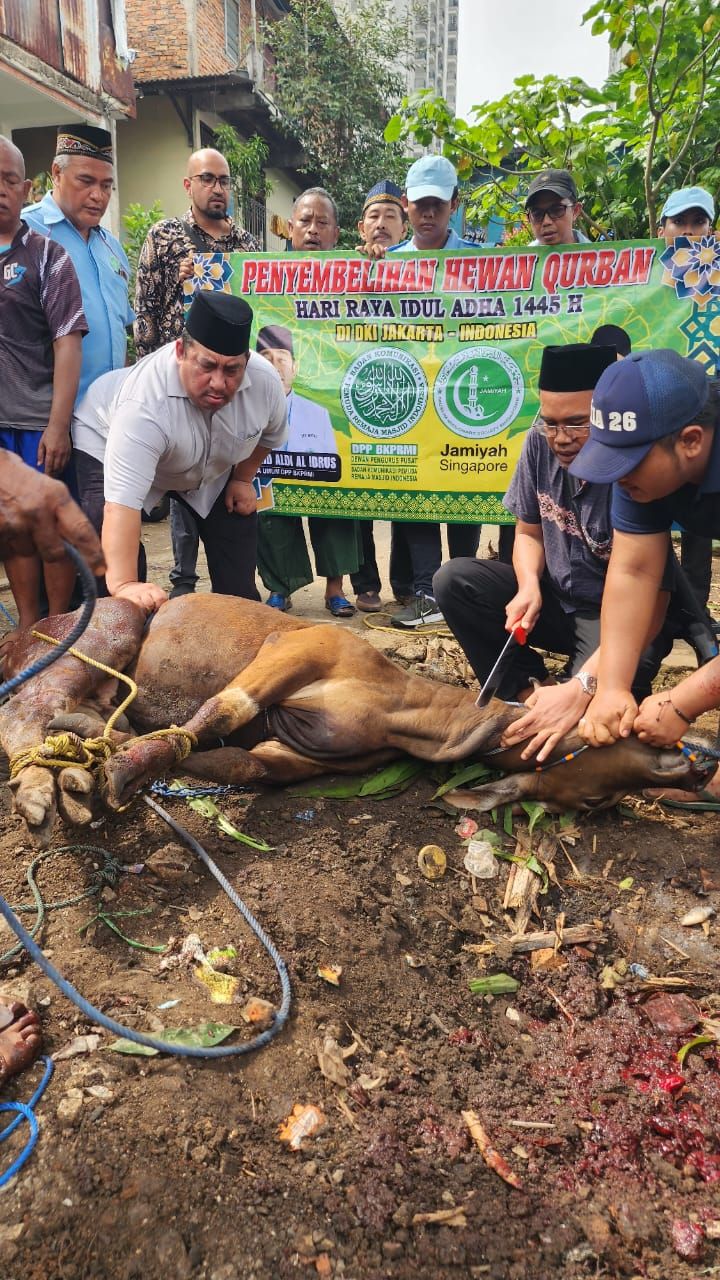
340	607
276	600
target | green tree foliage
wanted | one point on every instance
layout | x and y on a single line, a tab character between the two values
137	221
337	82
650	128
246	162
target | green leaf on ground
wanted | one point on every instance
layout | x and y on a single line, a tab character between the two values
382	785
471	773
685	1049
208	809
497	984
203	1036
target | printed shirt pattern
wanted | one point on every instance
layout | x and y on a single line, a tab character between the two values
575	520
159	301
40	301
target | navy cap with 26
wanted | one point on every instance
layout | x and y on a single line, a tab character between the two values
637	402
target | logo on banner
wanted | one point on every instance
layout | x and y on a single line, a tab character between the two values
384	392
479	392
210	271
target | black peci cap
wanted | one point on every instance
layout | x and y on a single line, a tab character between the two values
576	366
220	321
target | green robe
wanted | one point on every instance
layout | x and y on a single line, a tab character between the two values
282	555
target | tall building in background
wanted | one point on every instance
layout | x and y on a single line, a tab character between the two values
433	39
435	31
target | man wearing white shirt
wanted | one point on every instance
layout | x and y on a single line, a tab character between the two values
194	419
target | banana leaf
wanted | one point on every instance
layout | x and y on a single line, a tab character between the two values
471	773
384	784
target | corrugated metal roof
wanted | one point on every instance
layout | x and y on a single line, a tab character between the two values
67	36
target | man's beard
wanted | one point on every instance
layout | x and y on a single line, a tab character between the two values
217	215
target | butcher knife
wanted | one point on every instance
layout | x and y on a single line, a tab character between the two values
517	636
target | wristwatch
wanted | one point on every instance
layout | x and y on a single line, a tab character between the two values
588	682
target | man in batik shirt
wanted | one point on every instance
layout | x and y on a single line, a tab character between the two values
166	260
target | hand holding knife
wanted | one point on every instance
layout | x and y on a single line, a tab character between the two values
518	635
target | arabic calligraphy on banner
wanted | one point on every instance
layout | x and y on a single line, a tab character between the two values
412	380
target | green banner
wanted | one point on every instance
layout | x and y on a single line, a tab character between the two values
413	378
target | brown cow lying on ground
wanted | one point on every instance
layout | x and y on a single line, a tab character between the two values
273	699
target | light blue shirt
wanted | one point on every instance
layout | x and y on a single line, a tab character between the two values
454	241
103	271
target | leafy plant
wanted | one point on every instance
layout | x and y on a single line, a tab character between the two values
137	221
337	82
650	128
246	162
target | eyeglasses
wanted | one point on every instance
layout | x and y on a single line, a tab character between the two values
549	430
554	211
212	180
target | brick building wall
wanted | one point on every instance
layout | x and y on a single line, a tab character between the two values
211	54
177	39
159	34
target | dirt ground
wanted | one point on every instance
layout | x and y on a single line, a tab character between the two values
155	1167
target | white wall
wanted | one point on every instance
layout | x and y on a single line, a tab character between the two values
152	156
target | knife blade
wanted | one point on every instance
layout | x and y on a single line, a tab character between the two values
517	636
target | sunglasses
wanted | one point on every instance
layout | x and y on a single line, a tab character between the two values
554	211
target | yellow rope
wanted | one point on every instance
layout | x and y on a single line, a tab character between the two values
109	671
438	630
60	751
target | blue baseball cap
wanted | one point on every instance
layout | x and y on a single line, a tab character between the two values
431	176
688	198
637	402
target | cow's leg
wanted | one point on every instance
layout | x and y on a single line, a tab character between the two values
271	761
284	664
283	764
75	791
113	636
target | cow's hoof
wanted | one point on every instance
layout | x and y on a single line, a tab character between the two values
34	798
142	760
75	796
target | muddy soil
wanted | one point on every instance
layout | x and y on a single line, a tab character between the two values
173	1169
161	1168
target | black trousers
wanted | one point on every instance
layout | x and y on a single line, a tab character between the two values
90	479
472	595
367	577
696	560
230	542
425	549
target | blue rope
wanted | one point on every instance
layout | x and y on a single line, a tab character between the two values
167	792
128	1033
24	1112
86	612
694	749
7	614
44	1082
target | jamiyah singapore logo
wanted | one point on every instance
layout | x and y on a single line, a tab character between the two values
479	392
692	267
